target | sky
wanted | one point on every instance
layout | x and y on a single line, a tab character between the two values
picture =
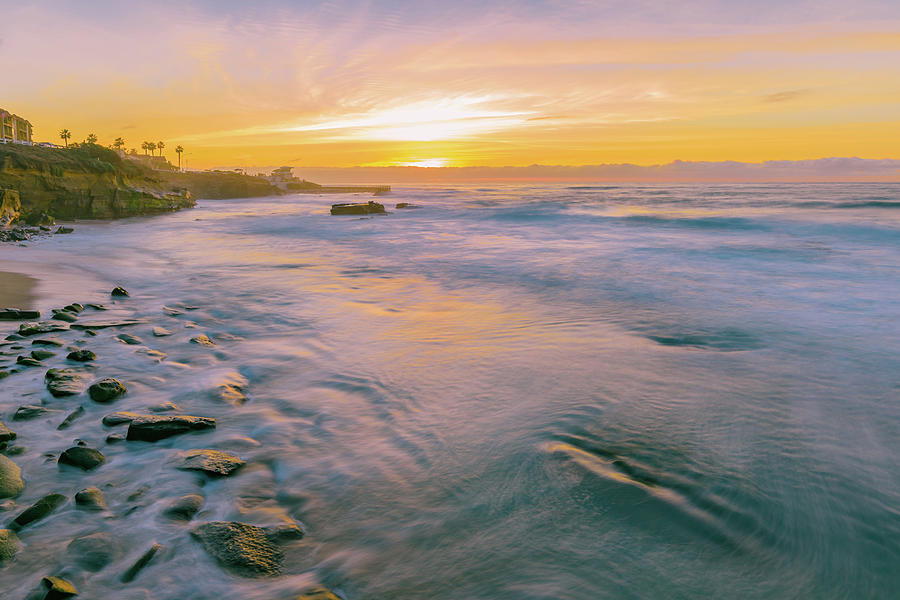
461	84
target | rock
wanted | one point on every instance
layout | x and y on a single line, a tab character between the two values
65	382
406	205
14	450
57	587
231	389
90	499
37	511
106	390
63	229
51	341
17	314
115	438
81	356
27	361
184	508
74	308
29	329
11	484
157	355
119	292
163	407
131	340
64	315
29	411
97	306
284	532
119	417
42	354
83	458
142	562
318	594
241	548
150	428
161	332
369	208
106	324
211	462
9	544
71	417
92	552
202	340
4	373
6	434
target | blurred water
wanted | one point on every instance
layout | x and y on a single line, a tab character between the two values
540	391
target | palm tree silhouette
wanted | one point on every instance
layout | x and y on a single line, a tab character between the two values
119	143
65	134
151	146
145	146
178	151
91	138
160	145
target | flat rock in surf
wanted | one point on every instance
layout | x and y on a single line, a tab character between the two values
37	511
17	314
50	341
92	552
29	411
131	340
106	324
150	428
28	329
64	315
119	292
66	382
11	484
211	462
318	594
240	548
362	208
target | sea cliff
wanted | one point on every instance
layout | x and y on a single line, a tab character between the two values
88	181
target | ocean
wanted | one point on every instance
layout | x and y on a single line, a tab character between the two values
514	391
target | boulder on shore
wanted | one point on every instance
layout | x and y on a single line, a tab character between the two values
90	499
184	508
58	588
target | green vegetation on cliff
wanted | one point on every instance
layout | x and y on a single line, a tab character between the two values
88	181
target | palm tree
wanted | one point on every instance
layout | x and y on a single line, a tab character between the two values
160	145
145	146
65	134
91	139
178	151
152	147
119	144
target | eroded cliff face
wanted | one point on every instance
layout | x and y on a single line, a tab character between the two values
90	182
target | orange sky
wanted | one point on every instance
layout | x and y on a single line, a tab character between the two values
346	83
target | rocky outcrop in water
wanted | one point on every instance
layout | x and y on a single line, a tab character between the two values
241	548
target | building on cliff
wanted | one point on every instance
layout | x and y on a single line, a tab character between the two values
14	128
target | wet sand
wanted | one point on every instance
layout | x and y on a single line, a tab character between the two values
17	290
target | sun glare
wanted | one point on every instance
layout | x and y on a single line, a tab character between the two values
426	162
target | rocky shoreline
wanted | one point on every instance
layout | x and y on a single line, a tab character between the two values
80	395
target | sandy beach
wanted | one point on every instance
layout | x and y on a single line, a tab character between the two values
16	290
